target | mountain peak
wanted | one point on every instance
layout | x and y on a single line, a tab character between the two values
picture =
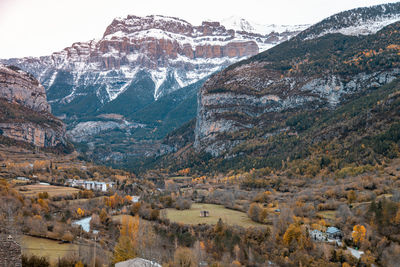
358	21
163	53
241	24
132	23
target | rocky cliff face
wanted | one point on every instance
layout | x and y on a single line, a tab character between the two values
22	88
223	113
38	135
301	74
147	69
162	54
24	112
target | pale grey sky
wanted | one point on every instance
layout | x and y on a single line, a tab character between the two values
40	27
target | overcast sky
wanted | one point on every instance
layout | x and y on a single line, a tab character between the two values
40	27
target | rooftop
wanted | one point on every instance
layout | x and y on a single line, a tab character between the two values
332	230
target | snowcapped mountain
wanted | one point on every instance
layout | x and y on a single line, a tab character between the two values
240	24
138	60
321	68
355	22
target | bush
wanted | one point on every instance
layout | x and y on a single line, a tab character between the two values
183	204
34	261
184	257
257	213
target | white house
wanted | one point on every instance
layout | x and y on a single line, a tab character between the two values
317	235
334	233
91	185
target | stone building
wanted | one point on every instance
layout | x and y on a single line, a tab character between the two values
10	253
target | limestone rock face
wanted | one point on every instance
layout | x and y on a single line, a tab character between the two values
221	113
307	73
169	50
22	88
38	135
25	113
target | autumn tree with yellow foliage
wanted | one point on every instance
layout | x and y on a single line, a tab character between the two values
80	212
184	171
358	233
126	248
294	234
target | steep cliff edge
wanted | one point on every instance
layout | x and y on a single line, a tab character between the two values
24	110
140	59
319	69
146	69
22	88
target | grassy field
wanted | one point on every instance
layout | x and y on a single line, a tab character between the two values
47	248
328	214
192	216
34	189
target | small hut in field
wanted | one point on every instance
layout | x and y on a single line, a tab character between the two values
204	213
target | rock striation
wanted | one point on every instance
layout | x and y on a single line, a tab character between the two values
22	88
25	113
170	52
322	67
38	135
221	113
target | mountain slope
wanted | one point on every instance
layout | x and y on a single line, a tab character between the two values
359	21
361	132
259	112
239	24
309	74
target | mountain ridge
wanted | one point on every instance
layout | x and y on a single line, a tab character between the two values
138	63
293	75
166	45
247	110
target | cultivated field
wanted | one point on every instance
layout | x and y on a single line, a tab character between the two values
47	248
34	189
192	216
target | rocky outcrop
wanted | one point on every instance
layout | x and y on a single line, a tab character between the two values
38	135
25	113
172	52
222	113
84	130
20	87
263	91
